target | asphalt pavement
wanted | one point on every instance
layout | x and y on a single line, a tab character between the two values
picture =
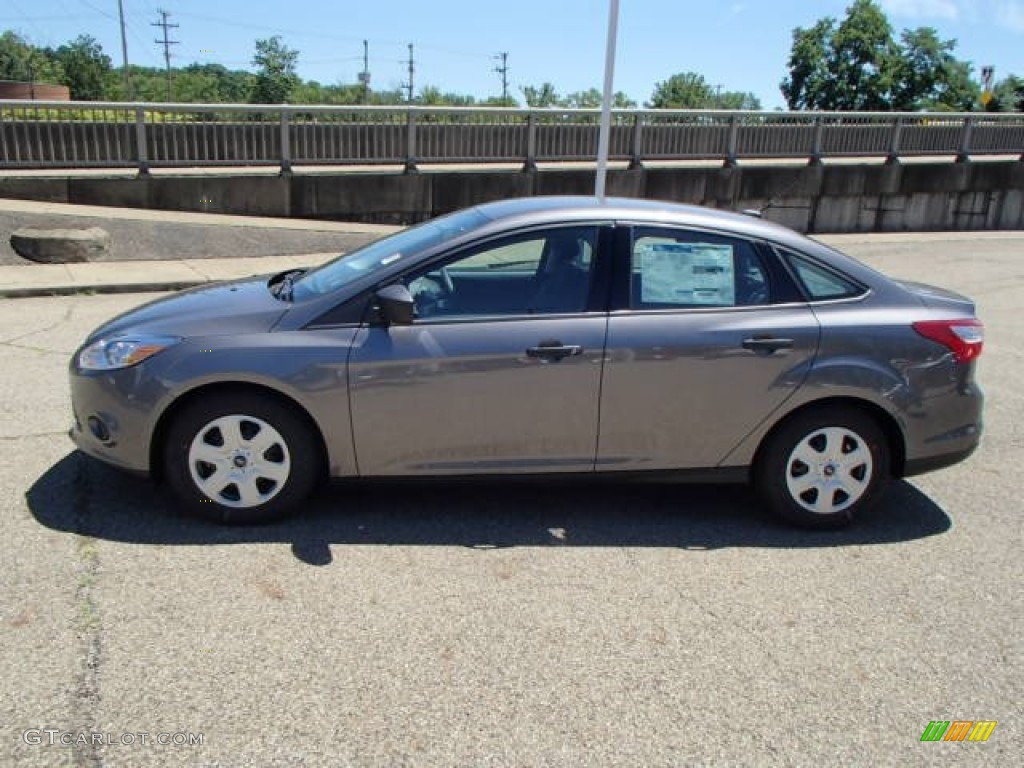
497	624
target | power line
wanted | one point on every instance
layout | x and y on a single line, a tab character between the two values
163	23
101	12
33	19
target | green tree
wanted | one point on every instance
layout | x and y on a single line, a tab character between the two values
275	76
388	97
312	92
736	100
809	84
929	76
588	99
1007	95
542	97
857	65
863	58
212	83
592	98
497	101
148	84
85	67
687	90
22	61
847	67
621	101
432	96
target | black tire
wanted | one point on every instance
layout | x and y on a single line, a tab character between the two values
824	467
268	458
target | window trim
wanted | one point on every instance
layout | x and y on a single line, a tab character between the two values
782	291
597	300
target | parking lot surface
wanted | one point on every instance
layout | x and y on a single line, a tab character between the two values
508	624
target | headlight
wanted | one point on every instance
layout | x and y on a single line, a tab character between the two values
123	352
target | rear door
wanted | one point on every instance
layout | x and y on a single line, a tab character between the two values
707	340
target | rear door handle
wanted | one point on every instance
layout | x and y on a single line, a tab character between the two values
553	352
767	344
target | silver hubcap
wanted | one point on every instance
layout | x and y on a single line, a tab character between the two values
829	470
239	461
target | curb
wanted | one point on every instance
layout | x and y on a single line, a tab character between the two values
72	290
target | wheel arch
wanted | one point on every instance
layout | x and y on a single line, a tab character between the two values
166	418
887	423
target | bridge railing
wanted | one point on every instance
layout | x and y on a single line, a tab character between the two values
55	134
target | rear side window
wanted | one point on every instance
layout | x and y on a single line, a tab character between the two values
682	269
821	283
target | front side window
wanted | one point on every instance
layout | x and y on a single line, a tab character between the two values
683	269
544	272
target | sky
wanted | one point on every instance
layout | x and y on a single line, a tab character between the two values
740	45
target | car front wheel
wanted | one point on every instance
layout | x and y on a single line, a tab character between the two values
240	458
823	468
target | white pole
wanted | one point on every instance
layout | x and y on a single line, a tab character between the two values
606	103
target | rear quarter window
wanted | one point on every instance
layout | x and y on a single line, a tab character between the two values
819	282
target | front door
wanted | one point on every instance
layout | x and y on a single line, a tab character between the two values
501	370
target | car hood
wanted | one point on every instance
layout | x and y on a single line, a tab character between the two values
939	298
240	306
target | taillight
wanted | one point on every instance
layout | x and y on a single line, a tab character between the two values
963	337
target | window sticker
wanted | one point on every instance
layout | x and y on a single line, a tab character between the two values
686	273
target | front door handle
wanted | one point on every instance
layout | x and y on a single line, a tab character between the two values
767	344
554	351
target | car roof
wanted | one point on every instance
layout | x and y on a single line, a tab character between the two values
543	209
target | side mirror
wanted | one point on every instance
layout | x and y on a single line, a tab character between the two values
396	305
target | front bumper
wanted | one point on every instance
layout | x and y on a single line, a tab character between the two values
114	416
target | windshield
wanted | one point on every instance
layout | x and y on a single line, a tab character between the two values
383	253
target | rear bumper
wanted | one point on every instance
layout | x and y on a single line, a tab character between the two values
950	432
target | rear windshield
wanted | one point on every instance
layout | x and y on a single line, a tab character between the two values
385	252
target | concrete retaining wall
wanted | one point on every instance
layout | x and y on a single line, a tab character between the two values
832	198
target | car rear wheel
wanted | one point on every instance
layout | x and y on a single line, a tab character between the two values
241	458
824	467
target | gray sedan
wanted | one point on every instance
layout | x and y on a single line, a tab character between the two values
543	336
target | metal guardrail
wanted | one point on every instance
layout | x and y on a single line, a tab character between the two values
61	134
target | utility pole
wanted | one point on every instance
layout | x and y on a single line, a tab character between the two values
124	54
412	70
364	76
502	69
167	46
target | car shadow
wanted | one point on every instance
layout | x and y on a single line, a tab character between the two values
82	496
